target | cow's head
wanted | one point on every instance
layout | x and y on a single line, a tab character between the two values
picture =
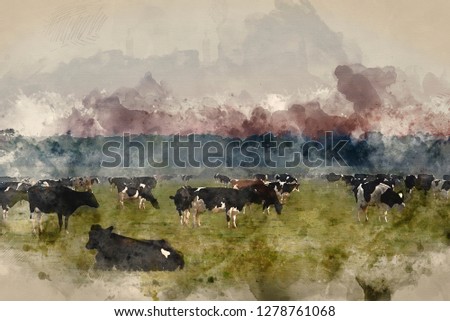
154	203
88	198
278	207
182	199
97	235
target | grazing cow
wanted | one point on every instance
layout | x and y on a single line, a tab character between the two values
142	193
243	183
217	198
423	182
148	181
84	183
283	190
440	186
18	186
118	182
348	179
9	198
360	176
128	254
410	183
66	182
268	194
332	177
167	177
285	178
186	178
262	177
379	194
57	199
222	179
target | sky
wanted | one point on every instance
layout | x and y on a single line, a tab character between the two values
37	35
169	58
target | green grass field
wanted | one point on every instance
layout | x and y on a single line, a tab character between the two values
316	239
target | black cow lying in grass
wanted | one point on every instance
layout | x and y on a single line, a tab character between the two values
124	253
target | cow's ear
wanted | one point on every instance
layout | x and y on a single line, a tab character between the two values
110	228
96	227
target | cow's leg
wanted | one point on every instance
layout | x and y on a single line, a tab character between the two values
364	210
66	223
181	215
385	216
60	221
227	215
121	198
5	214
36	220
234	213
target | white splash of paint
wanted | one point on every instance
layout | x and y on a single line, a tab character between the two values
165	253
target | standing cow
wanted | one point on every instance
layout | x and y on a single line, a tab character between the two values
125	253
378	194
57	199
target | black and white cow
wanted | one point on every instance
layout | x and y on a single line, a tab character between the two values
142	193
66	182
57	199
231	200
286	178
183	202
9	198
262	177
118	182
128	254
283	190
186	178
440	186
148	181
410	183
268	193
18	186
378	194
222	179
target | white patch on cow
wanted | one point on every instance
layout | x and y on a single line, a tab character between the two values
198	189
125	189
142	185
136	195
217	209
18	185
401	195
7	189
165	253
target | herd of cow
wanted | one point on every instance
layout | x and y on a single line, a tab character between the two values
65	196
387	190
